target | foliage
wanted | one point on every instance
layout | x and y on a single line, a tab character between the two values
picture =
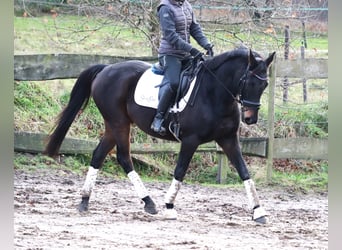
36	7
89	122
314	180
203	168
306	120
34	105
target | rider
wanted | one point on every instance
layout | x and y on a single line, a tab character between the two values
177	23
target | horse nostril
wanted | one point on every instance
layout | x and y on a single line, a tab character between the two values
250	116
248	120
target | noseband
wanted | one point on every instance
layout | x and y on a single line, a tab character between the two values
242	82
245	104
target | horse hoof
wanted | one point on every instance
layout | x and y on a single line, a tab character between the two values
259	215
83	206
261	220
170	214
151	209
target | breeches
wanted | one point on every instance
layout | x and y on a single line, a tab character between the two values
172	68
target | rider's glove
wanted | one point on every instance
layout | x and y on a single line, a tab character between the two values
196	53
209	49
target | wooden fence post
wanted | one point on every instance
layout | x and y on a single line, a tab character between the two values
302	55
223	168
286	57
271	94
304	35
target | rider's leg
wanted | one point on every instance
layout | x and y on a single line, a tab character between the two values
165	103
172	68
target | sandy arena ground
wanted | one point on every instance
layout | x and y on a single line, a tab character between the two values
46	216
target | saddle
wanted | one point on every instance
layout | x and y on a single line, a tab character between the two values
188	73
146	91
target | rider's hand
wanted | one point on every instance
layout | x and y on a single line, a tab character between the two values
209	49
196	53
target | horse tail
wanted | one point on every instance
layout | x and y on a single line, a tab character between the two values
79	98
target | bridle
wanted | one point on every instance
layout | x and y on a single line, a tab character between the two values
245	104
242	83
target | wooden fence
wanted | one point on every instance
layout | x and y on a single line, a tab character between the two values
295	148
64	66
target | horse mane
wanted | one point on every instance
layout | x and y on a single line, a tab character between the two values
218	60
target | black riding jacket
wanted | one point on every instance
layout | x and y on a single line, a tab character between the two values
177	24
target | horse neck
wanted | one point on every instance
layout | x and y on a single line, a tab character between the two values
226	79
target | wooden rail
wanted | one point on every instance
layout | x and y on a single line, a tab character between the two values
299	148
296	148
64	66
34	143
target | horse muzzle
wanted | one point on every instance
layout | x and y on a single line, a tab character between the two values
250	116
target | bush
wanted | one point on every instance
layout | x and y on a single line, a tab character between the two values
34	107
36	8
306	121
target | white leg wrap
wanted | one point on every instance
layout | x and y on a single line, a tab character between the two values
259	212
173	190
89	182
138	184
253	200
170	214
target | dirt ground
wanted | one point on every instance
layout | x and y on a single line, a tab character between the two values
45	216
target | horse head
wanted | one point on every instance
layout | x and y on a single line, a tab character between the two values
252	85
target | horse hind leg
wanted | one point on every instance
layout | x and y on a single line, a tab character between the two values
99	154
125	160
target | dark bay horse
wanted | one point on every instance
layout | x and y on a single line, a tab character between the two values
225	84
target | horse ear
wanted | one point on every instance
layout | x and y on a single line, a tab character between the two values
251	59
270	59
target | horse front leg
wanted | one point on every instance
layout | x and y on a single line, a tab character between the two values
186	152
232	149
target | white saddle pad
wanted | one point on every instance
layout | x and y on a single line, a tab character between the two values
146	92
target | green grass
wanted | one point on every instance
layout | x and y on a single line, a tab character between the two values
34	107
79	34
302	182
70	34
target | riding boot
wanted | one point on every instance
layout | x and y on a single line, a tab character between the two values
163	107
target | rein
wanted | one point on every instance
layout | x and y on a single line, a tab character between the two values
242	82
